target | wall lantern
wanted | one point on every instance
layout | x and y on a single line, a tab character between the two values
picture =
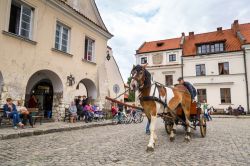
70	80
108	56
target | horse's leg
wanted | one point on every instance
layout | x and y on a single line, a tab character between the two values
172	106
151	143
186	109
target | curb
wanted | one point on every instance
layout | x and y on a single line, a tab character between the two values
235	117
49	131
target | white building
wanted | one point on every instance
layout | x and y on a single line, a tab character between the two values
214	62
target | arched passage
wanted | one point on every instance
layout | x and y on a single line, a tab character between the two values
90	88
47	88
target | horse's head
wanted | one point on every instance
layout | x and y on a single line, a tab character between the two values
140	78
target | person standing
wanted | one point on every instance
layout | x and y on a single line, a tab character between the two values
33	103
73	112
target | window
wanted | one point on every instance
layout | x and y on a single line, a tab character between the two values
223	68
210	48
200	70
172	57
225	95
168	80
89	50
20	19
144	60
62	37
202	95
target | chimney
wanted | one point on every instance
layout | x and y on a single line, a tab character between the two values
182	39
219	29
191	35
235	26
183	34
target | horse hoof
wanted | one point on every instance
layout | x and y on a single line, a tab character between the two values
172	139
187	140
150	149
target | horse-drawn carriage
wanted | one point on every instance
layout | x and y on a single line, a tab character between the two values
196	118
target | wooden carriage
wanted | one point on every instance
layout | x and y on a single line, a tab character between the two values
196	118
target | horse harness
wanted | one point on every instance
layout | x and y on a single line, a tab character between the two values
153	97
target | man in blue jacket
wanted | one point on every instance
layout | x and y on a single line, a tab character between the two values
10	111
189	86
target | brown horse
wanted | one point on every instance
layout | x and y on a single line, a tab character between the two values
156	99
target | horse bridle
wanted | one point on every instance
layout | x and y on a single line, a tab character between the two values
140	85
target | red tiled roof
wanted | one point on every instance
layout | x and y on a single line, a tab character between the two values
245	31
160	45
232	43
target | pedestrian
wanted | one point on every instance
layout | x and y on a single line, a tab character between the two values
148	127
33	102
205	109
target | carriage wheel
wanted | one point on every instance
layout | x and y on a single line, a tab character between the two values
203	126
168	127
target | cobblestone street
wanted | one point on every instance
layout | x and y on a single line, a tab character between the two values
227	143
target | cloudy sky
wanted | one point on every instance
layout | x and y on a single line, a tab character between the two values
134	21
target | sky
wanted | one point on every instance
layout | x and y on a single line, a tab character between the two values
132	22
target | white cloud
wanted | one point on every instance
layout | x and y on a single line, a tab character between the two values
133	22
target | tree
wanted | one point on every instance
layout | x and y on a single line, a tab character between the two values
131	96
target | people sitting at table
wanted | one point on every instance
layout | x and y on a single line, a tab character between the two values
73	112
10	111
24	113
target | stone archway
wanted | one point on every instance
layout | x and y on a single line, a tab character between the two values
46	85
90	88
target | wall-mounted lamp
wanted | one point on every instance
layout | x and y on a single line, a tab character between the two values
70	80
108	56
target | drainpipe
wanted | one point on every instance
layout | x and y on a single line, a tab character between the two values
247	88
182	66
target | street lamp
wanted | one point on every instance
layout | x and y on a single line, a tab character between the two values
70	80
108	56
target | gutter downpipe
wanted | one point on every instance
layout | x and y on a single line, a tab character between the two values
247	88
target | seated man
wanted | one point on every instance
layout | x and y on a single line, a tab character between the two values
10	111
73	112
240	109
189	87
24	113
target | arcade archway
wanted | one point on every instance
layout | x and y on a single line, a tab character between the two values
87	87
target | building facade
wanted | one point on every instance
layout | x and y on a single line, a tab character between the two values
54	49
216	63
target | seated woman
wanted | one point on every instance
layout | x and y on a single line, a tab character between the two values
114	109
73	112
24	113
10	111
88	112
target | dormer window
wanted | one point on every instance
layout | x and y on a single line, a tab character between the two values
159	44
144	60
211	48
172	57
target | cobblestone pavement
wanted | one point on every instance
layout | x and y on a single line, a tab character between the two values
227	143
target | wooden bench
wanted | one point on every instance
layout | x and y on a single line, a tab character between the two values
4	119
36	114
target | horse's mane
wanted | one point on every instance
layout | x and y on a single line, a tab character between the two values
147	81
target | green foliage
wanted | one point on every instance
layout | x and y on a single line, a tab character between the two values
131	96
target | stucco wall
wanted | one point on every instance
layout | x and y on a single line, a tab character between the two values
21	59
213	81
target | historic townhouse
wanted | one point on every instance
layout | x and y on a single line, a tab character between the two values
54	49
215	62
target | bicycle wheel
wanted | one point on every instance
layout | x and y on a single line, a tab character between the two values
115	120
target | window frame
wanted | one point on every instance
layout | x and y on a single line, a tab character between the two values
227	99
210	48
20	21
223	69
86	47
172	81
172	57
62	26
201	67
201	96
144	58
